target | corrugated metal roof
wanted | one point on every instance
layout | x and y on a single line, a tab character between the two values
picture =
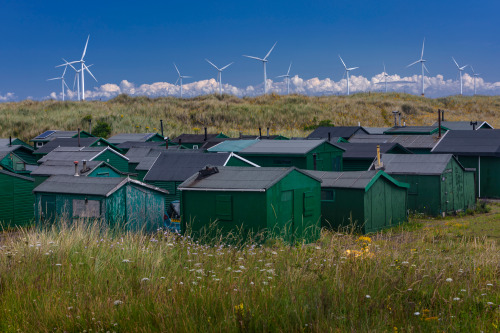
407	141
100	186
471	143
340	131
51	168
419	164
287	147
232	145
65	142
237	178
124	137
179	166
367	150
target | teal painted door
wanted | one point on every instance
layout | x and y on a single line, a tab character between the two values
48	207
337	163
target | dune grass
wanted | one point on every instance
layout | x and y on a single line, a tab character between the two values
286	115
419	277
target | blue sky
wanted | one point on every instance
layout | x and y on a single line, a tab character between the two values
137	41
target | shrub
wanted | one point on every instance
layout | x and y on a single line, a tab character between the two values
102	129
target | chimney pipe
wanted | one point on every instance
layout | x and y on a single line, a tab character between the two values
395	113
268	132
260	133
439	122
442	115
473	125
180	142
84	165
161	126
78	137
378	155
90	126
205	134
399	116
241	135
10	140
166	142
76	168
315	161
329	136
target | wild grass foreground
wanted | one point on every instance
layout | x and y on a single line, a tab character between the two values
430	275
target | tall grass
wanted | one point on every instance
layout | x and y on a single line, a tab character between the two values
84	278
286	115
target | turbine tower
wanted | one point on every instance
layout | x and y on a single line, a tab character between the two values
347	70
287	79
264	61
219	75
474	75
63	82
83	67
422	61
180	77
385	78
460	70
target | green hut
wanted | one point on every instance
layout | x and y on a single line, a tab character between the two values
367	200
16	200
196	141
47	136
73	142
17	159
303	154
125	201
439	184
360	156
171	168
479	150
285	202
417	144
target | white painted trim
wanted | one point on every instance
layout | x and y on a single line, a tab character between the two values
222	189
437	144
242	159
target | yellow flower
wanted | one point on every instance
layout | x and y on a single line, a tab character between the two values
365	239
121	115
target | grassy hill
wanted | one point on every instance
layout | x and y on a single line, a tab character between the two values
286	115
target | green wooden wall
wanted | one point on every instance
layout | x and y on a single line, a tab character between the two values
487	177
115	160
16	201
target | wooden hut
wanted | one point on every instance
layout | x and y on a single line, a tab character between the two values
16	200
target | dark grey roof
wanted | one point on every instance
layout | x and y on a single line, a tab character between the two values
419	164
5	142
412	129
124	137
65	142
6	150
341	131
179	166
137	154
472	143
193	138
462	125
76	154
237	178
373	130
367	150
12	174
288	147
51	168
48	136
407	141
100	186
136	144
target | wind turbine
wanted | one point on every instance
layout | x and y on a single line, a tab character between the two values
287	79
385	78
474	75
460	70
63	82
83	69
264	61
180	77
422	61
77	76
219	76
347	70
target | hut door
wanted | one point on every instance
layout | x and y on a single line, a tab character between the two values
336	163
286	214
48	207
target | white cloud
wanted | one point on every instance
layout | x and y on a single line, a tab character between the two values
435	86
7	97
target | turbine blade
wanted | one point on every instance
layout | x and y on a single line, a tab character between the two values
85	49
87	69
423	44
223	68
271	50
254	57
385	73
343	62
455	62
66	85
177	81
212	64
413	63
64	73
463	67
186	77
425	67
55	78
282	76
472	69
289	67
69	64
352	68
74	81
177	69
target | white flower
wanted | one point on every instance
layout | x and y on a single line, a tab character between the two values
489	284
117	302
456	298
274	252
265	283
405	263
144	279
252	283
318	248
163	278
126	260
242	267
463	290
417	313
368	296
58	265
489	303
449	280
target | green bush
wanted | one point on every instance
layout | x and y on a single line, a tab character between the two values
102	129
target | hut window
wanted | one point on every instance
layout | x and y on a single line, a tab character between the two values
224	207
308	203
86	208
328	195
195	146
104	174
